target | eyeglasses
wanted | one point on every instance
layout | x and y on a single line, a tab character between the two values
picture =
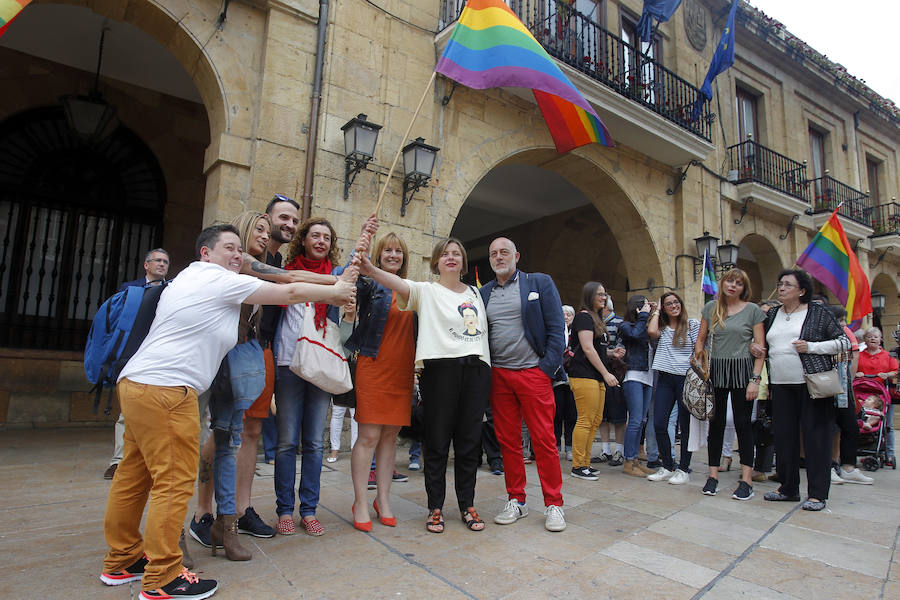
602	295
785	284
672	303
159	260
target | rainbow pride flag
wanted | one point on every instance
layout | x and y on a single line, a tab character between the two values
9	10
709	285
830	259
490	47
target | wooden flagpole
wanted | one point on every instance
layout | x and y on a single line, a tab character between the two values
387	181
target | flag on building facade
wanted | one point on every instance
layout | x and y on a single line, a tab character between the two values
722	59
661	10
830	259
709	285
9	10
490	47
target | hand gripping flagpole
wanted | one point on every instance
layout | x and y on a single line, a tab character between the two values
387	180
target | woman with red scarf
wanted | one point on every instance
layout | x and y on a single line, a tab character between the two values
301	406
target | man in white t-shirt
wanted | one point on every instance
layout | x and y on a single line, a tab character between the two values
195	326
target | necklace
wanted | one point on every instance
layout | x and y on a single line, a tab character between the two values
787	315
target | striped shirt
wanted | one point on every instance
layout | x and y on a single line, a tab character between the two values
675	359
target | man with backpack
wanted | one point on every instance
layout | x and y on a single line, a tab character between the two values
156	267
194	327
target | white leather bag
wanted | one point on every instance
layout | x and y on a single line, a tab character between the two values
319	357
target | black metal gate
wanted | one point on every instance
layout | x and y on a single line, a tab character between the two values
75	221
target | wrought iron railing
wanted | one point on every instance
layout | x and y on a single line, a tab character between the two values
886	219
578	41
754	162
829	193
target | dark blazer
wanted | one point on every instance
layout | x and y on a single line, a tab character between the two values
141	282
542	318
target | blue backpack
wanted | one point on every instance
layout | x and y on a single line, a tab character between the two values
119	327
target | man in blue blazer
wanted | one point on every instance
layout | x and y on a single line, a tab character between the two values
156	267
527	336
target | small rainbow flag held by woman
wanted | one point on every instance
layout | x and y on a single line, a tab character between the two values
708	285
9	10
830	259
490	47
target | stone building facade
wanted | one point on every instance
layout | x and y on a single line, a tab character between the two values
224	103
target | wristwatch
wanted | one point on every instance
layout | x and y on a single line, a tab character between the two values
756	378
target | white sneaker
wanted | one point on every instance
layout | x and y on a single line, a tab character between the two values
569	455
662	474
556	520
679	477
856	476
835	478
512	512
414	465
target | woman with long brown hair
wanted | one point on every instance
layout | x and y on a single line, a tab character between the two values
588	376
676	334
731	323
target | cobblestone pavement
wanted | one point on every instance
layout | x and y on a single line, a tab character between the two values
626	538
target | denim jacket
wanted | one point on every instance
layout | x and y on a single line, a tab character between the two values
637	343
373	302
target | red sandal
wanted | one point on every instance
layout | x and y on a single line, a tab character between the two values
472	520
435	522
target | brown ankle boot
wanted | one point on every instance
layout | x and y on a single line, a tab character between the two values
644	469
186	559
633	468
224	532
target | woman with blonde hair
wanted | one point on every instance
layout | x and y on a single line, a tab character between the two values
455	383
588	376
384	337
731	323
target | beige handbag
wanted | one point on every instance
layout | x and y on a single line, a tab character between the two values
823	385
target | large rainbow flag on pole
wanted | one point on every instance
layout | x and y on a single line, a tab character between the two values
490	47
830	259
9	10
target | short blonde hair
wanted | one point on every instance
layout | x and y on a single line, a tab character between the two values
391	239
439	251
872	330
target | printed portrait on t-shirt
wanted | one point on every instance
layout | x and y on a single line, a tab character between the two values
469	315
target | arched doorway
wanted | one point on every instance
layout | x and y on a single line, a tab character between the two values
759	259
75	221
568	218
78	213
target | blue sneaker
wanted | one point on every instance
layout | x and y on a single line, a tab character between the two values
200	530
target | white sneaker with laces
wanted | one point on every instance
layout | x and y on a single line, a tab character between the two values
556	520
512	512
856	476
679	477
835	478
662	474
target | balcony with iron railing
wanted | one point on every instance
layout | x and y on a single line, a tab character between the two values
751	161
829	193
601	57
886	219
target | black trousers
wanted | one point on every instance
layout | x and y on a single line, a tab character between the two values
455	394
797	412
566	415
763	440
849	428
742	410
668	394
489	443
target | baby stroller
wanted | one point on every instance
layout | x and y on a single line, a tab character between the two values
872	441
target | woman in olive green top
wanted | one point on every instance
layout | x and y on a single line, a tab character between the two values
734	323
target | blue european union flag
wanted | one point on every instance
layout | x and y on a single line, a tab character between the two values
722	59
661	10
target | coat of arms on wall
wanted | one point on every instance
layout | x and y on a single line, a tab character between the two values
695	24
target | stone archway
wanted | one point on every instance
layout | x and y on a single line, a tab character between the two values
568	216
760	260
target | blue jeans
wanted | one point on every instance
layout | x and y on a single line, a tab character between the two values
637	398
228	442
666	397
653	448
301	407
270	436
415	450
889	438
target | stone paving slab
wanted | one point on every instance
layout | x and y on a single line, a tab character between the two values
626	538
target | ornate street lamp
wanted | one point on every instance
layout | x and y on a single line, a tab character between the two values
708	244
418	163
727	254
877	303
360	137
90	116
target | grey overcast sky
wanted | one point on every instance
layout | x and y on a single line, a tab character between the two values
860	35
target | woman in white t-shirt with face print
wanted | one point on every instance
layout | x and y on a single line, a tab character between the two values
452	351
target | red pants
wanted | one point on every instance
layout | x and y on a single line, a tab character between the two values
528	394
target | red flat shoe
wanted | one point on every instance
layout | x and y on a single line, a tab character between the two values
389	521
361	526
